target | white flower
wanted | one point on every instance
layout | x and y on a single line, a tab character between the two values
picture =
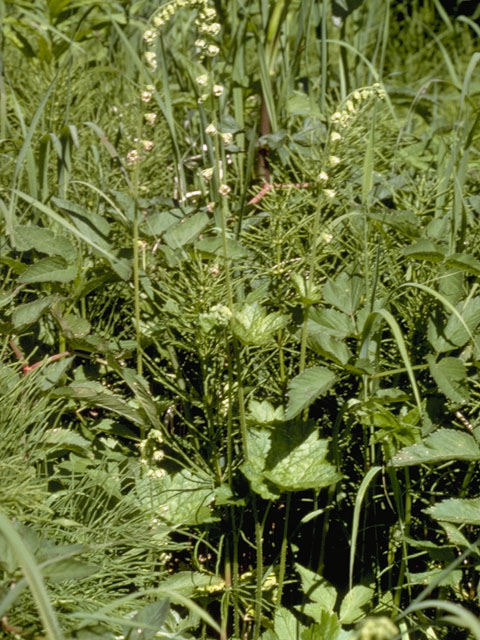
207	173
202	80
200	43
213	50
224	190
151	58
132	157
147	145
159	20
217	90
150	118
146	95
227	137
330	193
336	117
323	176
211	130
335	136
149	36
326	237
214	29
334	160
209	13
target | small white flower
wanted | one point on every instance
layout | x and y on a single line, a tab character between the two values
147	145
151	58
207	173
326	237
211	130
202	80
227	137
159	20
213	50
334	160
335	136
200	43
350	106
330	193
323	176
132	157
192	194
214	29
150	118
149	36
224	190
146	96
336	117
217	90
209	13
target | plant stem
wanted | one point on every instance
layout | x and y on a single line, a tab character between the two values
283	551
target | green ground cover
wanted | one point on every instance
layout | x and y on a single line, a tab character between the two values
240	319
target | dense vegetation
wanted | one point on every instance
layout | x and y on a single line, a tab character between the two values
240	319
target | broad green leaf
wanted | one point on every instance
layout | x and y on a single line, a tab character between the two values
334	322
157	223
305	388
91	225
30	312
351	609
405	222
50	374
450	375
286	625
345	292
297	459
53	269
149	619
186	231
187	499
252	326
464	262
263	413
44	241
258	441
186	583
424	578
455	333
59	438
309	293
442	445
326	627
329	347
68	569
457	510
317	588
214	246
424	249
74	326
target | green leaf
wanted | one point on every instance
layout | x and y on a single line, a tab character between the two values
305	388
450	375
317	588
424	250
329	347
258	443
186	231
456	333
331	321
464	262
150	620
186	583
26	314
442	445
69	569
345	292
263	413
351	609
54	269
327	627
58	438
214	246
286	625
457	510
186	499
44	241
252	326
158	222
91	225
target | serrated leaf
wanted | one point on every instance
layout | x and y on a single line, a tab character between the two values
59	438
345	292
450	375
186	583
286	625
331	321
329	347
457	510
327	626
305	388
351	609
424	249
186	499
186	231
26	314
442	445
317	588
54	269
464	262
214	246
252	326
453	334
44	241
264	413
258	442
149	619
158	222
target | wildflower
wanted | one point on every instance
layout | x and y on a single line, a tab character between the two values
227	137
149	35
214	29
158	21
202	80
334	160
207	173
147	94
150	118
217	90
132	157
323	176
213	50
326	237
211	130
330	193
336	117
151	58
147	145
202	98
200	43
335	136
224	190
209	13
192	194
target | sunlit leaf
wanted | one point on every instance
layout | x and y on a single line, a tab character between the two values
305	388
442	445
